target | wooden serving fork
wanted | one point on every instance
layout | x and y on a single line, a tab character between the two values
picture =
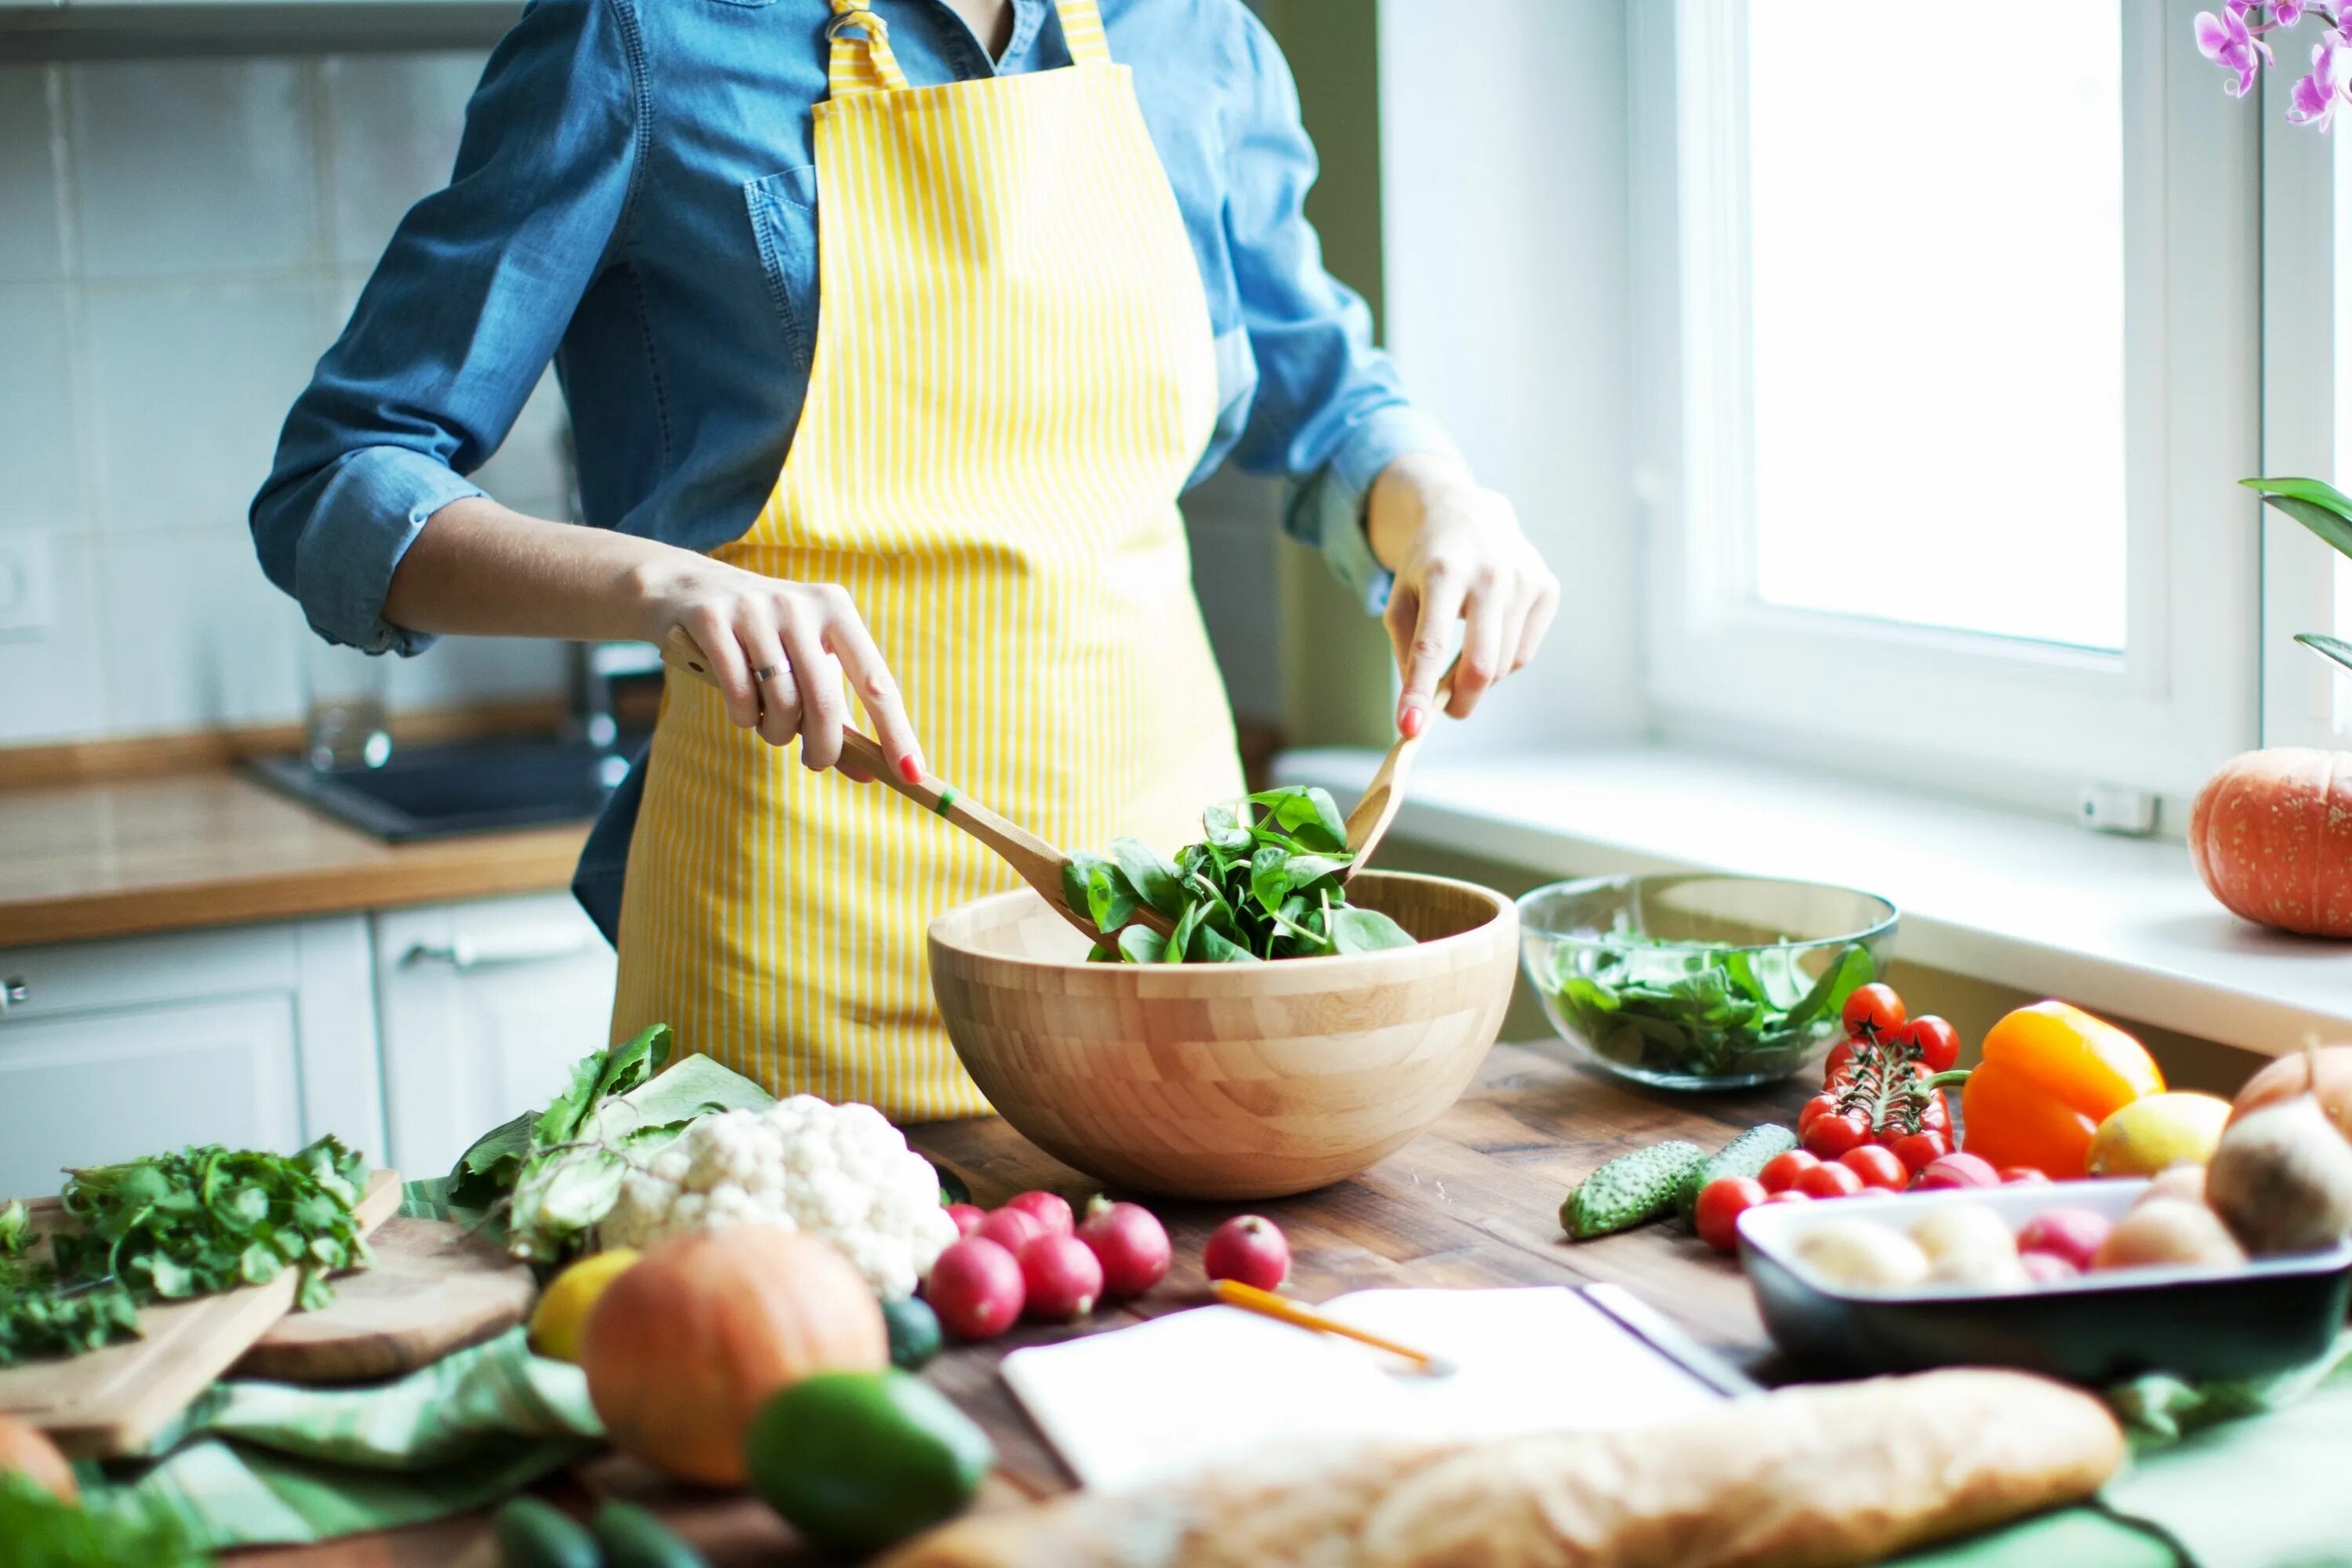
1033	860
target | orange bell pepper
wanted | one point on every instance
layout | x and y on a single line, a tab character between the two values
2051	1073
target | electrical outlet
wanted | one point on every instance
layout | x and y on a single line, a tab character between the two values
24	582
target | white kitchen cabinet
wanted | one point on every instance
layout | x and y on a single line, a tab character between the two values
252	1037
484	1006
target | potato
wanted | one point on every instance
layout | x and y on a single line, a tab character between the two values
1859	1255
2168	1233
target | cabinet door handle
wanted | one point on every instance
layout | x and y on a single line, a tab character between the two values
13	993
531	945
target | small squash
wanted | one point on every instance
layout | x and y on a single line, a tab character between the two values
2271	835
683	1348
27	1451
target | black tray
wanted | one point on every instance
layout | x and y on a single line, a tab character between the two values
2260	1317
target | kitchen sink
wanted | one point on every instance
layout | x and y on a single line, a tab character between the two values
466	786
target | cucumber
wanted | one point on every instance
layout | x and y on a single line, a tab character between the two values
1746	1156
914	1332
1631	1190
633	1537
535	1534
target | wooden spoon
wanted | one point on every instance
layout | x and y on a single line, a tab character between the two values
1377	807
1036	862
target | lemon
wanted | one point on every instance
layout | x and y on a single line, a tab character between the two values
560	1323
2157	1131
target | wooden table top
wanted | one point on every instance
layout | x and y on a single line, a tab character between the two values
1472	1202
213	847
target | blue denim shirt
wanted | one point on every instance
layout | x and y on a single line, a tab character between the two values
635	198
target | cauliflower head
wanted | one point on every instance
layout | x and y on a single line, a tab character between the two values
839	1172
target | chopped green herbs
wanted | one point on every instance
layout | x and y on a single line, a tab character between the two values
1263	883
176	1226
44	1532
1703	1009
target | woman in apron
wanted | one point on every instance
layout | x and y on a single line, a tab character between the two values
1045	308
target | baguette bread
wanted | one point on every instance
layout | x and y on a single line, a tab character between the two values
1808	1477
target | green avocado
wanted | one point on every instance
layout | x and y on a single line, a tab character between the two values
858	1460
914	1333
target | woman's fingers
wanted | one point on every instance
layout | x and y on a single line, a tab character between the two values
1437	605
878	692
716	638
1539	622
772	675
818	675
1488	633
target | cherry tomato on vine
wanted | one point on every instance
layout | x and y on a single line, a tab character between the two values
1830	1136
1875	1007
1938	1042
1839	1062
1918	1150
1720	1204
1833	1180
1822	1104
1878	1167
1782	1171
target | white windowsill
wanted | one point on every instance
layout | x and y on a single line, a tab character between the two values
2116	925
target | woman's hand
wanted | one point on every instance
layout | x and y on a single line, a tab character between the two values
779	650
1458	554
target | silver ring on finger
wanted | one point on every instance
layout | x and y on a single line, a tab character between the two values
766	673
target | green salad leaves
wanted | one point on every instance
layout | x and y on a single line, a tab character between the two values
1265	882
1714	1010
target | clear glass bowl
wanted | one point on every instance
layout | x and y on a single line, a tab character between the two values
1700	982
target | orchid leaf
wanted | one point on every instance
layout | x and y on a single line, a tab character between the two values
2317	505
2335	648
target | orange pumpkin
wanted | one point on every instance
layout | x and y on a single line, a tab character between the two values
2325	1072
2271	835
27	1451
684	1347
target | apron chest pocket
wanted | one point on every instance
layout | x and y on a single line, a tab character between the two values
783	220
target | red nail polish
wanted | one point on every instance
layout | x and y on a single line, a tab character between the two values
910	768
1411	722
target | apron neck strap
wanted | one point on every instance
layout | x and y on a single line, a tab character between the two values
861	60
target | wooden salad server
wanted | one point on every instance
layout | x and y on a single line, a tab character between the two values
1036	862
1368	824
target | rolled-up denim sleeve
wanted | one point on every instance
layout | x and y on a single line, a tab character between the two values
459	320
1329	411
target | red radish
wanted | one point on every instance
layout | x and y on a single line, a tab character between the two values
976	1289
1129	1243
1789	1196
2047	1268
1248	1248
1830	1181
2072	1233
1050	1210
2022	1176
1918	1150
1011	1229
1782	1171
1062	1278
1962	1169
967	1218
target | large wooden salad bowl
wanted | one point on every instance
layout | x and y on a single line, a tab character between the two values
1226	1080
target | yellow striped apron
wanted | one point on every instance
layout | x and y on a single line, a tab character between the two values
1013	377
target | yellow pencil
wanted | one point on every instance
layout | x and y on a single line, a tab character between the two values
1265	1303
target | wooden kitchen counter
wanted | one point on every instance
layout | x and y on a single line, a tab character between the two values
119	857
1473	1202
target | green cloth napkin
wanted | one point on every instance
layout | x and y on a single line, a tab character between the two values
255	1463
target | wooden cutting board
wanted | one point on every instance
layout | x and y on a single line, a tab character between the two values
434	1288
109	1402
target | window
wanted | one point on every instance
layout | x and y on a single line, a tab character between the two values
1950	369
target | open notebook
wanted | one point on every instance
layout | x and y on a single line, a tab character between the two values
1193	1387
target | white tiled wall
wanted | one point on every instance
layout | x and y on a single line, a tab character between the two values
178	242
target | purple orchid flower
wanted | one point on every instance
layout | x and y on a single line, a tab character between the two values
2314	99
2286	12
2228	42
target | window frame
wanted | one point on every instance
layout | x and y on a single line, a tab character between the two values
2030	724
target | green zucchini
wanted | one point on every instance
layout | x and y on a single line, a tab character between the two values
532	1533
1631	1190
633	1538
1746	1156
